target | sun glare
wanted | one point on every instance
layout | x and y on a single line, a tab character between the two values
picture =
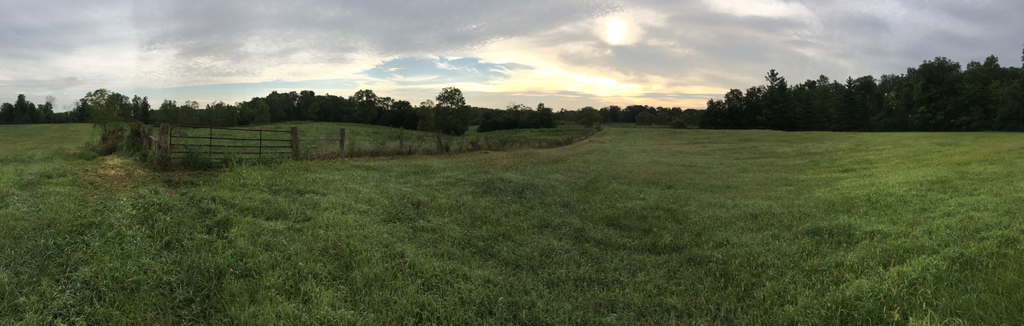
616	31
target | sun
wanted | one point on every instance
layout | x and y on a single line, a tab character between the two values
616	31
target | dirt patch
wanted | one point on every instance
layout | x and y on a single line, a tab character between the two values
112	175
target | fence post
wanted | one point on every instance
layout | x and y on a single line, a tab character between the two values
341	144
295	141
148	142
162	147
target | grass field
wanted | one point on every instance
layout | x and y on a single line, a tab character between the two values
30	143
632	226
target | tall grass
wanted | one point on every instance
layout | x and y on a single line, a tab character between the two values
633	226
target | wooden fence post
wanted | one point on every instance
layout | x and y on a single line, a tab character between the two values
341	144
148	142
295	141
162	148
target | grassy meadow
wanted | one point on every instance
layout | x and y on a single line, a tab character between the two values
633	226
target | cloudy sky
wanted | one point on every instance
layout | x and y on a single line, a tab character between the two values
565	53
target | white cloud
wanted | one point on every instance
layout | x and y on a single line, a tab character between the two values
763	8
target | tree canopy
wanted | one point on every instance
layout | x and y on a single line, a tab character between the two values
938	95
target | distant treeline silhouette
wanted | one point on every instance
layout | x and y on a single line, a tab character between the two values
447	112
938	95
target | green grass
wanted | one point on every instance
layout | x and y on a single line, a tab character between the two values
34	142
633	226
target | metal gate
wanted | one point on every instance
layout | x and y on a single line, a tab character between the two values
251	141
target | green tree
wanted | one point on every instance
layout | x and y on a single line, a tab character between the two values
425	112
678	123
778	109
589	116
366	106
262	113
122	105
606	115
46	111
644	118
278	107
312	113
306	100
7	113
613	113
169	112
104	110
190	114
663	118
145	110
451	114
546	116
24	111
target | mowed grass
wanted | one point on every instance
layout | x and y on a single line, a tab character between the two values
633	226
29	142
526	135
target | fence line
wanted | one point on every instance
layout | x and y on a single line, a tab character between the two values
166	147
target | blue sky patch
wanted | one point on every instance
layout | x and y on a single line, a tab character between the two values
411	71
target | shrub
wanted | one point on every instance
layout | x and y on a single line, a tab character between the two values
589	116
678	123
87	151
643	119
111	139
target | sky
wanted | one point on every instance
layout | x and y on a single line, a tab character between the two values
564	53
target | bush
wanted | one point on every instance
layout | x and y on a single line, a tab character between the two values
110	140
678	123
643	119
589	116
87	151
138	134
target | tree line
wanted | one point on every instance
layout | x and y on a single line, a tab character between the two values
938	95
24	112
447	113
